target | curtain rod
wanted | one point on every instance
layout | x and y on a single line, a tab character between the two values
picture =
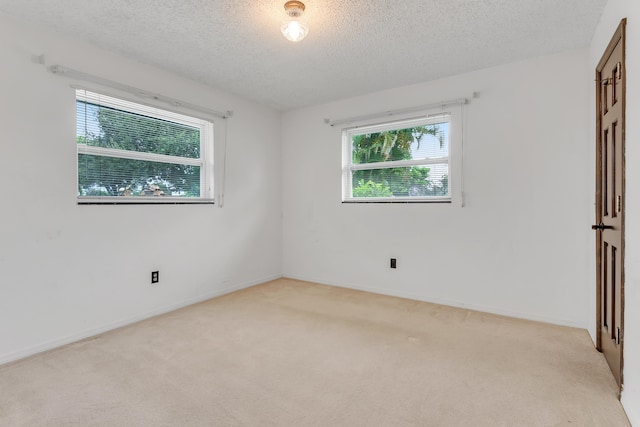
459	101
69	72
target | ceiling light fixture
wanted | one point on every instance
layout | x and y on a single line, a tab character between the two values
293	29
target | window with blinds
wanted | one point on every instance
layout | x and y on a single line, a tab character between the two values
403	161
129	152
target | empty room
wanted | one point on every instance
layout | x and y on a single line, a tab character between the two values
320	213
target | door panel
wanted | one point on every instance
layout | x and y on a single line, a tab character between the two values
610	173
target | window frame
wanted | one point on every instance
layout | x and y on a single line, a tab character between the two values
205	162
452	116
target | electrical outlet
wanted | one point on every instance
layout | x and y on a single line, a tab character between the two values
393	263
155	277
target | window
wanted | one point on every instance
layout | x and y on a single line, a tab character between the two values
128	152
403	161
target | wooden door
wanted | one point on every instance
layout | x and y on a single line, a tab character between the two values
610	201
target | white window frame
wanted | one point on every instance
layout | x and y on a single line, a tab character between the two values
205	162
453	115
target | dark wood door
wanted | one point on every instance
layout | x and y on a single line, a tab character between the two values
610	187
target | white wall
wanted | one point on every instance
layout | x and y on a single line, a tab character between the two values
521	246
613	13
68	271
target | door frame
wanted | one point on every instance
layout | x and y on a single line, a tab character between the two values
619	36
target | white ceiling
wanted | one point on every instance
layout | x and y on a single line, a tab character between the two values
353	47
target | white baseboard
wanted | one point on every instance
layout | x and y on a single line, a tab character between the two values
631	405
58	342
444	301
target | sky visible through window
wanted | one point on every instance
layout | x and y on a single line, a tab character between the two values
87	119
433	146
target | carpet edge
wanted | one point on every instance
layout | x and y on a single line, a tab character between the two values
443	301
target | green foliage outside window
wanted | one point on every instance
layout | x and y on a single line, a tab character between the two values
394	145
112	176
371	189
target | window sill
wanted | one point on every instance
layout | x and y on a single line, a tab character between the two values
143	201
398	200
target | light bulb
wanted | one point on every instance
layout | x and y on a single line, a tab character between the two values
294	31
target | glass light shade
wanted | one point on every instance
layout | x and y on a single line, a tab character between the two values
294	30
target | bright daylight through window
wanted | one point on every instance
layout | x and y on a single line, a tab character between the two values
404	161
129	152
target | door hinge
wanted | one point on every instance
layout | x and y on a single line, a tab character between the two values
618	71
618	336
619	204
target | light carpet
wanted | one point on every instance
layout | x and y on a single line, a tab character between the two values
291	353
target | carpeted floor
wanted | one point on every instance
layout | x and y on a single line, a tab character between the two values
290	353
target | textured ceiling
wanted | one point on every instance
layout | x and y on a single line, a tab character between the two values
353	47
